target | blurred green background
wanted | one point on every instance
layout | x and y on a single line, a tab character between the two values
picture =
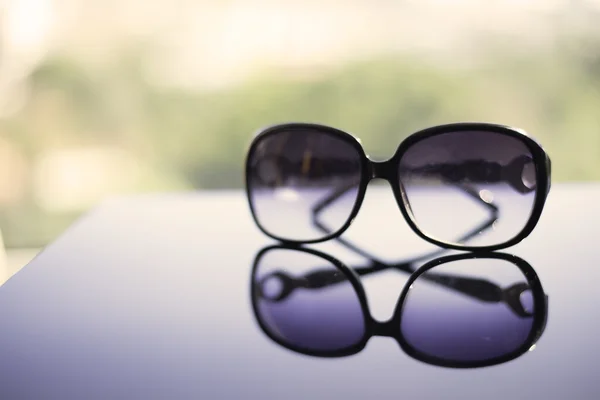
112	97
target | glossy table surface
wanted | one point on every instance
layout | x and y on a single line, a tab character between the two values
148	297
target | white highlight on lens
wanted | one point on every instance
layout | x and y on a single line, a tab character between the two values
528	175
486	196
495	225
287	194
272	287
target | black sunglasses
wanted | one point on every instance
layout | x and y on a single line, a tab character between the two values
306	182
461	311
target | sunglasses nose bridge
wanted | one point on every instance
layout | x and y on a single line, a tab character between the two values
384	329
382	169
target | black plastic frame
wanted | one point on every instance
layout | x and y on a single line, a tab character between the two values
392	327
388	170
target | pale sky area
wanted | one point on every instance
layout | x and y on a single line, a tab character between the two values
213	42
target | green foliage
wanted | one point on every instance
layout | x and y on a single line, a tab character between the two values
199	138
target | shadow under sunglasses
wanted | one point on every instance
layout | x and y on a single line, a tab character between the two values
462	311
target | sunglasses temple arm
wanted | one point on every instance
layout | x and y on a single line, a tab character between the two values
474	193
351	246
484	290
339	192
475	288
323	204
482	170
516	165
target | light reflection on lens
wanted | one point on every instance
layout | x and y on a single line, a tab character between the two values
459	311
453	326
325	319
482	174
303	183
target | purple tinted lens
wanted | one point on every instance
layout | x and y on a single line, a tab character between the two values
469	183
455	326
303	183
325	319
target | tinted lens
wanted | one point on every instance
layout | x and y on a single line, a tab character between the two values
307	303
478	184
303	183
472	310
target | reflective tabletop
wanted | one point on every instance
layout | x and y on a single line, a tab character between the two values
180	296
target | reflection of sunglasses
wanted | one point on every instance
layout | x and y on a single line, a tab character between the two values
306	182
467	310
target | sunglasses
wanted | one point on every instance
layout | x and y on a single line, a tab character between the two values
460	311
477	182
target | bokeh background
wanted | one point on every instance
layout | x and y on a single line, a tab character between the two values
105	97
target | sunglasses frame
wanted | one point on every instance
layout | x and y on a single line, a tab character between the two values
392	327
388	170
